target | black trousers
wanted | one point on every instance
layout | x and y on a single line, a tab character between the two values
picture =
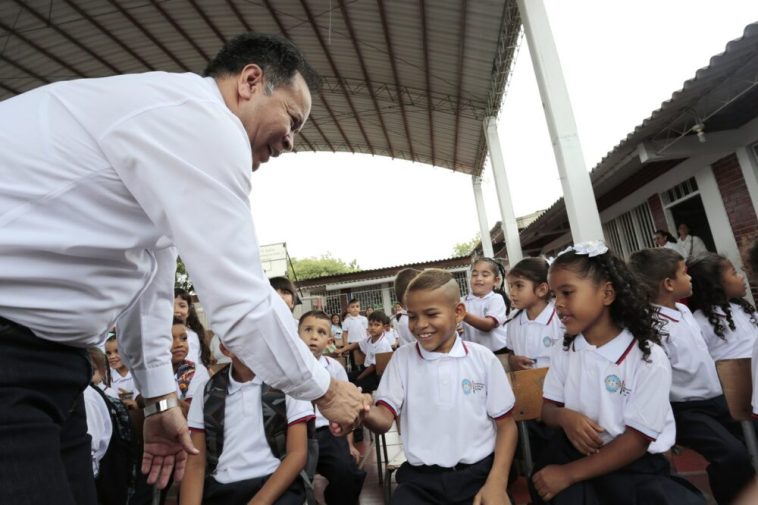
367	384
337	465
44	446
705	426
240	493
424	485
646	481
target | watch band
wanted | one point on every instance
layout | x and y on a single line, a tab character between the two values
161	406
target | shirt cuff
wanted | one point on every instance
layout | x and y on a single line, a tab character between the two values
314	388
156	381
652	435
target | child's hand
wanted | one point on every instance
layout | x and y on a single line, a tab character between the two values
551	480
582	431
521	363
493	493
355	454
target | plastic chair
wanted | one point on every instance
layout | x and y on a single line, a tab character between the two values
737	384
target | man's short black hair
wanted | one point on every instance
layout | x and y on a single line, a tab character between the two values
278	57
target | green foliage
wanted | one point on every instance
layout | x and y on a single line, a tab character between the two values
181	278
465	248
309	268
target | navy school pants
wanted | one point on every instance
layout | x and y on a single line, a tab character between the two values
44	446
240	493
337	465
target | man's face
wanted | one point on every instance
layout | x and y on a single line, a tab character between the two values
272	119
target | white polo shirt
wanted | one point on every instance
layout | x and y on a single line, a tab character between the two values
102	181
693	372
356	328
616	388
371	349
447	403
198	380
737	342
126	383
403	331
536	339
754	364
193	340
99	426
246	453
490	305
337	371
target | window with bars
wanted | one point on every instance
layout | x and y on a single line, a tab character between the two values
462	279
333	303
630	231
369	298
679	192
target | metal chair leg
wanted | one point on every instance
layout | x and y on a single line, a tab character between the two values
526	448
748	430
380	443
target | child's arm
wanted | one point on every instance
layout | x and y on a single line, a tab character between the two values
481	323
354	452
367	371
517	363
191	491
379	419
494	490
348	348
624	449
289	469
582	432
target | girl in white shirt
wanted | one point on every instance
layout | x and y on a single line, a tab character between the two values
184	309
188	375
607	390
487	306
121	380
535	330
728	321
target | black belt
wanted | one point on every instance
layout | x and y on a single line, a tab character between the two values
456	468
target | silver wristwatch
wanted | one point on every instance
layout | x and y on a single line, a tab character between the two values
161	406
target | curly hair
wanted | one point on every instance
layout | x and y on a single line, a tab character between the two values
708	292
630	309
194	324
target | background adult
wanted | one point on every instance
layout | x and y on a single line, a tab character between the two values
690	246
663	238
101	181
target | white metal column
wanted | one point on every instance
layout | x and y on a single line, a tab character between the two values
581	206
507	216
387	298
484	229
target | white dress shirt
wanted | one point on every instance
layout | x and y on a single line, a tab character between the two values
448	403
693	371
99	426
614	386
490	305
737	342
335	370
99	180
246	453
536	339
691	247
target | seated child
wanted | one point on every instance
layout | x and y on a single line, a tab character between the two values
607	390
241	431
728	321
337	456
702	419
376	342
286	290
454	401
402	279
535	330
487	306
189	376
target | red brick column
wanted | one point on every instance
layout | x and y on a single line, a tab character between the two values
656	209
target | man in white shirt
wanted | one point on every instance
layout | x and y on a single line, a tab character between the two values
690	246
100	181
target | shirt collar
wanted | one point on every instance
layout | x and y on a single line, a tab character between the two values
668	313
614	351
459	350
544	318
235	386
472	296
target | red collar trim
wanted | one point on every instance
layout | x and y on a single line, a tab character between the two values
628	350
551	316
668	317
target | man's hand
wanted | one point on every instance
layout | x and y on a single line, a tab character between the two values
551	480
167	442
344	405
583	432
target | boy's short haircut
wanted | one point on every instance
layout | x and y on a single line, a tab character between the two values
318	314
402	279
178	321
286	285
435	278
653	266
379	317
352	301
97	358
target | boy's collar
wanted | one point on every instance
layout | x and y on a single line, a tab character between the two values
235	385
459	350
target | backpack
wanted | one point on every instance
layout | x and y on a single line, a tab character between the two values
275	426
118	469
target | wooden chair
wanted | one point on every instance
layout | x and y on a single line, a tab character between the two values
527	388
737	384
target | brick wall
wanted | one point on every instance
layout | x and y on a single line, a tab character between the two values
656	209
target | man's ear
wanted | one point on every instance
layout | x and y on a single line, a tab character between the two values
250	81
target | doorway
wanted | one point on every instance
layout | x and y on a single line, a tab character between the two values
692	212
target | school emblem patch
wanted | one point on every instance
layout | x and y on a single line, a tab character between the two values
613	383
470	386
547	342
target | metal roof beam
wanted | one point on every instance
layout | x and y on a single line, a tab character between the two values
41	50
208	21
179	29
24	69
427	72
459	70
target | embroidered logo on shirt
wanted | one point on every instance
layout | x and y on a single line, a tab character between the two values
548	342
613	383
470	386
